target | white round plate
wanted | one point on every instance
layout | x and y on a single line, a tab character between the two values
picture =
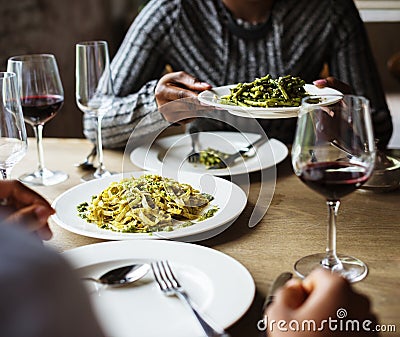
171	153
230	199
222	288
214	98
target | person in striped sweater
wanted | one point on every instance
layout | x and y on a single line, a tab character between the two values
218	42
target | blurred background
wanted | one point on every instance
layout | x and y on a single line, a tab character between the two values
55	26
49	26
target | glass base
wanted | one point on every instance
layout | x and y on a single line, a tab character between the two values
96	175
44	177
352	269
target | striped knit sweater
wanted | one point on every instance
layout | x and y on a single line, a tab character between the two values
201	38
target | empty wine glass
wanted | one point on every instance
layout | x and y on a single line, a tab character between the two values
94	91
42	96
333	153
13	143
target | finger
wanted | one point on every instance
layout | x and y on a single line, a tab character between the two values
321	83
320	279
186	80
173	92
32	217
169	93
45	233
330	287
334	83
18	195
287	301
43	213
328	291
178	85
179	110
291	295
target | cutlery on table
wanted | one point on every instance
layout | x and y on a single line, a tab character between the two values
170	286
230	159
276	284
194	155
121	275
87	164
227	160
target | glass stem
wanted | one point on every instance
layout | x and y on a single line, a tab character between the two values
38	129
331	261
101	168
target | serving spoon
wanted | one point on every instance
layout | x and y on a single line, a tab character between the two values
121	275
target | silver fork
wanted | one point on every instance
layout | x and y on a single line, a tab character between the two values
87	164
194	155
230	159
170	286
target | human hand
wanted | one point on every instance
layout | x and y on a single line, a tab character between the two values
23	206
178	85
334	83
324	298
180	90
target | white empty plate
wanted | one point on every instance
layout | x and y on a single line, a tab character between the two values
221	287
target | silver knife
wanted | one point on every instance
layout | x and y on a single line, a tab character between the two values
278	282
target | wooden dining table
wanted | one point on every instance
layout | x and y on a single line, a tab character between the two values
293	226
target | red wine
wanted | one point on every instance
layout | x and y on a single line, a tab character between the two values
40	109
334	179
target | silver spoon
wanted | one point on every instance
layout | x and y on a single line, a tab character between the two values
122	275
87	163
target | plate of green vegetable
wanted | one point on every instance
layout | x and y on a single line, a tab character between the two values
265	97
171	153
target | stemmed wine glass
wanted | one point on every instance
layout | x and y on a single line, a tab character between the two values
94	91
13	142
42	96
333	153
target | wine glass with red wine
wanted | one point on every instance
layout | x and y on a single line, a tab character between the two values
333	153
42	96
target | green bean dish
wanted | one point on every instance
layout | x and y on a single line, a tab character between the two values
211	157
265	92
